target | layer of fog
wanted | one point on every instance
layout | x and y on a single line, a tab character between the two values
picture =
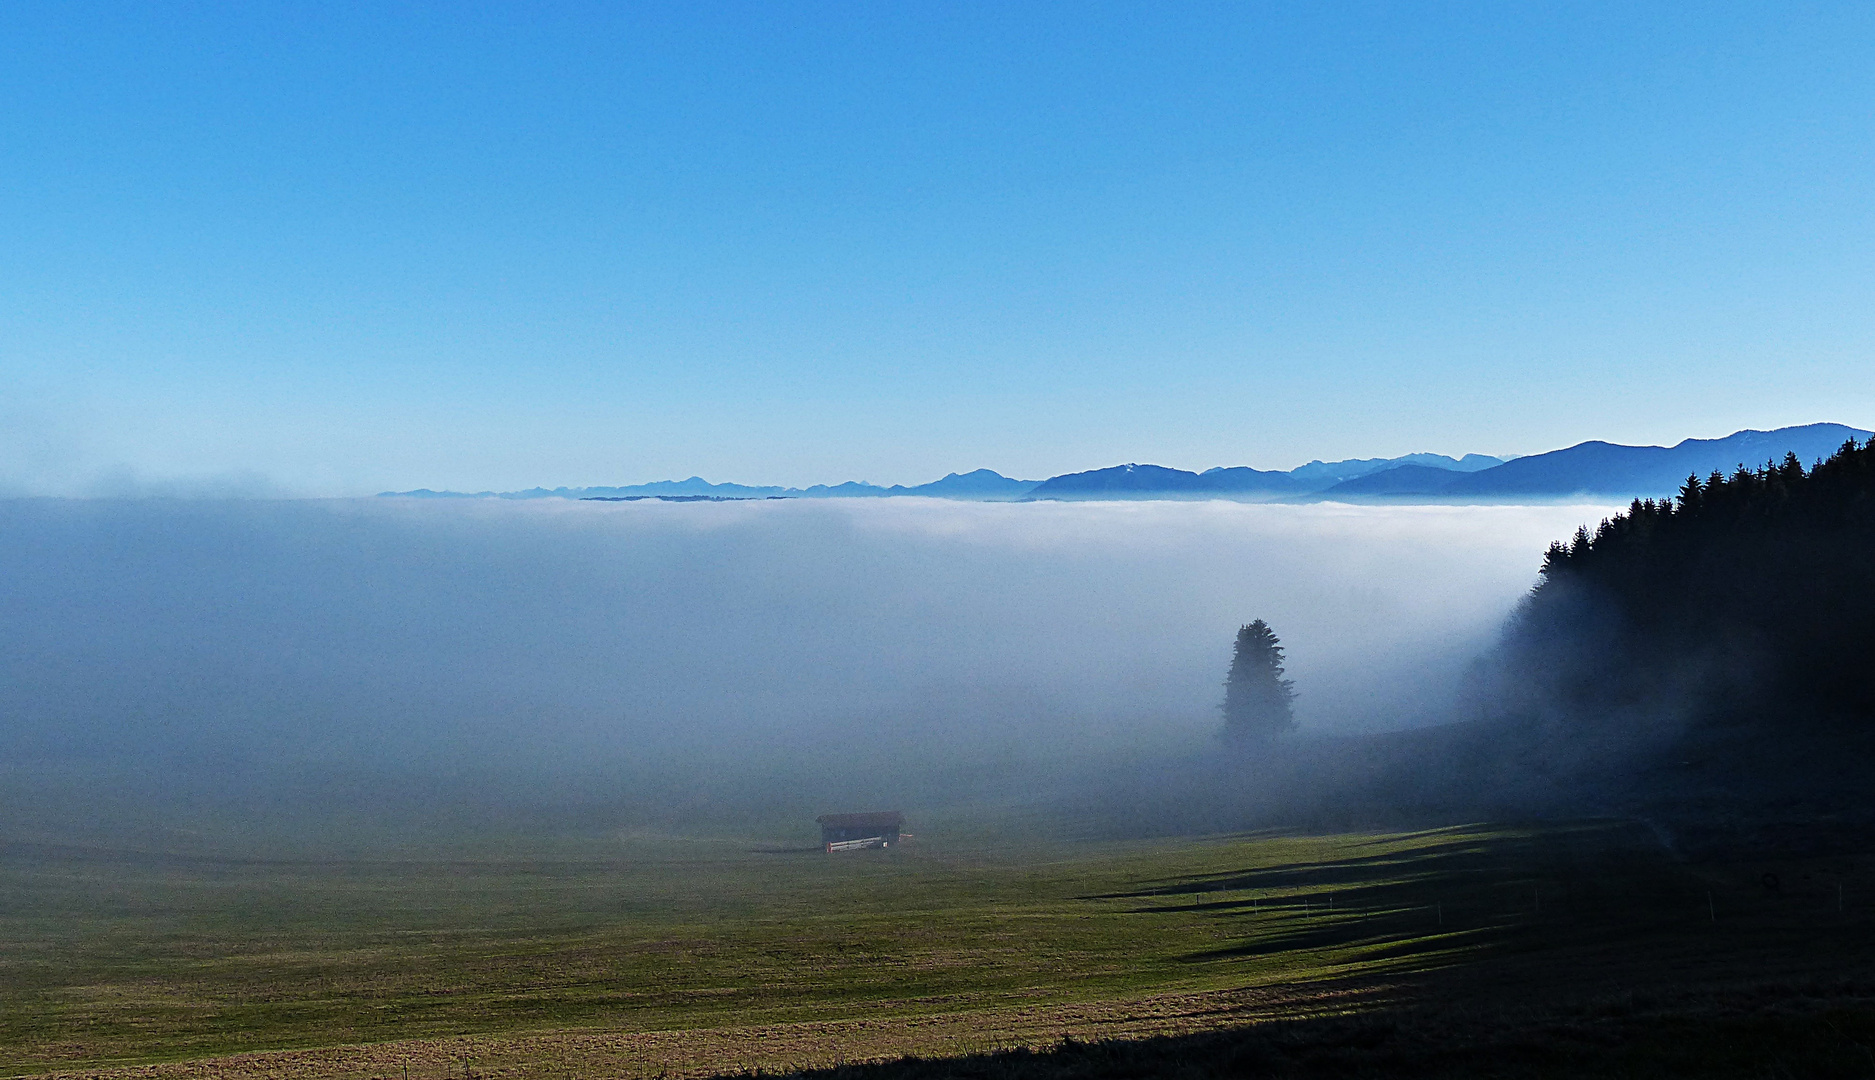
883	649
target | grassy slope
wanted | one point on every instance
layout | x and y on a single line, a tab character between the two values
108	959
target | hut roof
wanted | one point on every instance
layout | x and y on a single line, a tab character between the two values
887	819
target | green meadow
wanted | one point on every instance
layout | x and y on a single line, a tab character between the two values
647	956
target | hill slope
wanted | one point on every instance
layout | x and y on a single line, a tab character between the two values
1601	468
1403	480
1753	586
1135	479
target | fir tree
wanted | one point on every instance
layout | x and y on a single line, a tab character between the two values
1258	701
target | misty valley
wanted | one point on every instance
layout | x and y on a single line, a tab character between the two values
937	541
530	788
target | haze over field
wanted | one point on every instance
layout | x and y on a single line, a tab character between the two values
1349	514
624	649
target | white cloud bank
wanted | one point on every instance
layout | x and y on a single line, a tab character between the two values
505	633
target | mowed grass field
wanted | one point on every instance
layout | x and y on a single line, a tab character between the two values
645	957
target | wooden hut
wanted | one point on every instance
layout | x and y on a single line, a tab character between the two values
844	832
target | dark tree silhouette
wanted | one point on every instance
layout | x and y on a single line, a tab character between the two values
1258	701
1752	589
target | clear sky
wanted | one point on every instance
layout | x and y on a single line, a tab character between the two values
338	248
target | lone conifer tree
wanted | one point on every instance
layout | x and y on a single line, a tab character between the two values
1258	701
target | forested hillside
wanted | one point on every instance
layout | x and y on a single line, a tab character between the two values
1748	594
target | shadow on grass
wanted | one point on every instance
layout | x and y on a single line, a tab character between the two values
1579	951
1776	1031
1475	891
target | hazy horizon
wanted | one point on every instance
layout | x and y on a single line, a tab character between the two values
215	645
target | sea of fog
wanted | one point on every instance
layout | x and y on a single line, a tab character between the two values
554	645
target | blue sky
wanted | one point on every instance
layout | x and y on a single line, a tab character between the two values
332	249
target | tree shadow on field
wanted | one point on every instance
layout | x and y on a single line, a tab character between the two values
1594	949
1419	900
1553	910
1812	1032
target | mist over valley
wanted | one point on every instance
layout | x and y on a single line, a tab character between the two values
283	658
937	542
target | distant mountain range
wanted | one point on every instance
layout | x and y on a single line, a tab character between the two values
1132	480
1598	469
980	485
1602	469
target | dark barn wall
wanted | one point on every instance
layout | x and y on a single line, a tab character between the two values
830	834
